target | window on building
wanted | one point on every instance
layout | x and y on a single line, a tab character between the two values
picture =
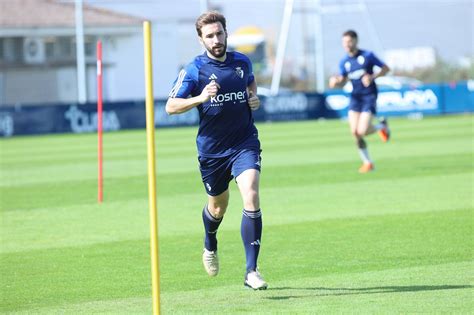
49	47
63	48
54	49
1	50
11	49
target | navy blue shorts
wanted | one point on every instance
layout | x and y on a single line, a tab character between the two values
364	103
216	173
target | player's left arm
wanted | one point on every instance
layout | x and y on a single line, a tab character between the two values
254	101
367	79
383	71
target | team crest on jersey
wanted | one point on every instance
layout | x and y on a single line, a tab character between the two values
347	66
239	72
361	60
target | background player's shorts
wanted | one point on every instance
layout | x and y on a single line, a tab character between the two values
216	173
364	103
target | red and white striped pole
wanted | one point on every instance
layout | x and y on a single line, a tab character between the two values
99	121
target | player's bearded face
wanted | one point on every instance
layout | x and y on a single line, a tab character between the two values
349	44
217	50
214	39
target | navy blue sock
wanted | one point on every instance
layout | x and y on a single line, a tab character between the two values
251	231
211	225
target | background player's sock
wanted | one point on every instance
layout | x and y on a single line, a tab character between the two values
211	225
363	153
251	232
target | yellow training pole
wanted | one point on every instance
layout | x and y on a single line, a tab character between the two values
150	132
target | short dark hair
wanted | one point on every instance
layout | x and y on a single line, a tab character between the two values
209	18
350	33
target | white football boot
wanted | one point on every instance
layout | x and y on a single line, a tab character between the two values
210	262
254	280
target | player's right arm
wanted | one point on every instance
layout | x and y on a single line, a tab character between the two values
337	81
177	105
340	79
185	84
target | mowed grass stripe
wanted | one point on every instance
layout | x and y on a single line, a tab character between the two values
427	289
70	192
340	136
85	191
69	154
88	141
127	219
292	251
330	128
318	135
297	151
74	170
18	175
74	151
321	147
171	141
389	291
452	142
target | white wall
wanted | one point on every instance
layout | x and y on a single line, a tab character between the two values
66	84
30	85
125	77
2	89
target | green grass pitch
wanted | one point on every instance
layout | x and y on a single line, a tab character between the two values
398	240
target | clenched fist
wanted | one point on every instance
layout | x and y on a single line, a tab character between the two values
210	90
254	101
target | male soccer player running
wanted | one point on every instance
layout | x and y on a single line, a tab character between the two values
222	86
358	67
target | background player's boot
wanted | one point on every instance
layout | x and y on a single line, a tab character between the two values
366	167
384	133
210	262
254	280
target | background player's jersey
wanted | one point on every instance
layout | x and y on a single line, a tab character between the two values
355	67
226	122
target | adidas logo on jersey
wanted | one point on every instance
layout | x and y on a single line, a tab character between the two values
213	77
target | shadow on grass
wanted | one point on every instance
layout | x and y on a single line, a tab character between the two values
323	291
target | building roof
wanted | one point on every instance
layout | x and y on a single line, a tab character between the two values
54	14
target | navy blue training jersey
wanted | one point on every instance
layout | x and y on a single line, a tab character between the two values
226	124
355	67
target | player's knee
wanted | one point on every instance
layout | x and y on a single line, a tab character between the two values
362	132
217	210
357	134
252	200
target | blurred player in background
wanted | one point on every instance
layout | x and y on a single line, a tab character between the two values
358	67
222	87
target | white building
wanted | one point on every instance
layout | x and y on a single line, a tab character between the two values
410	59
38	54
